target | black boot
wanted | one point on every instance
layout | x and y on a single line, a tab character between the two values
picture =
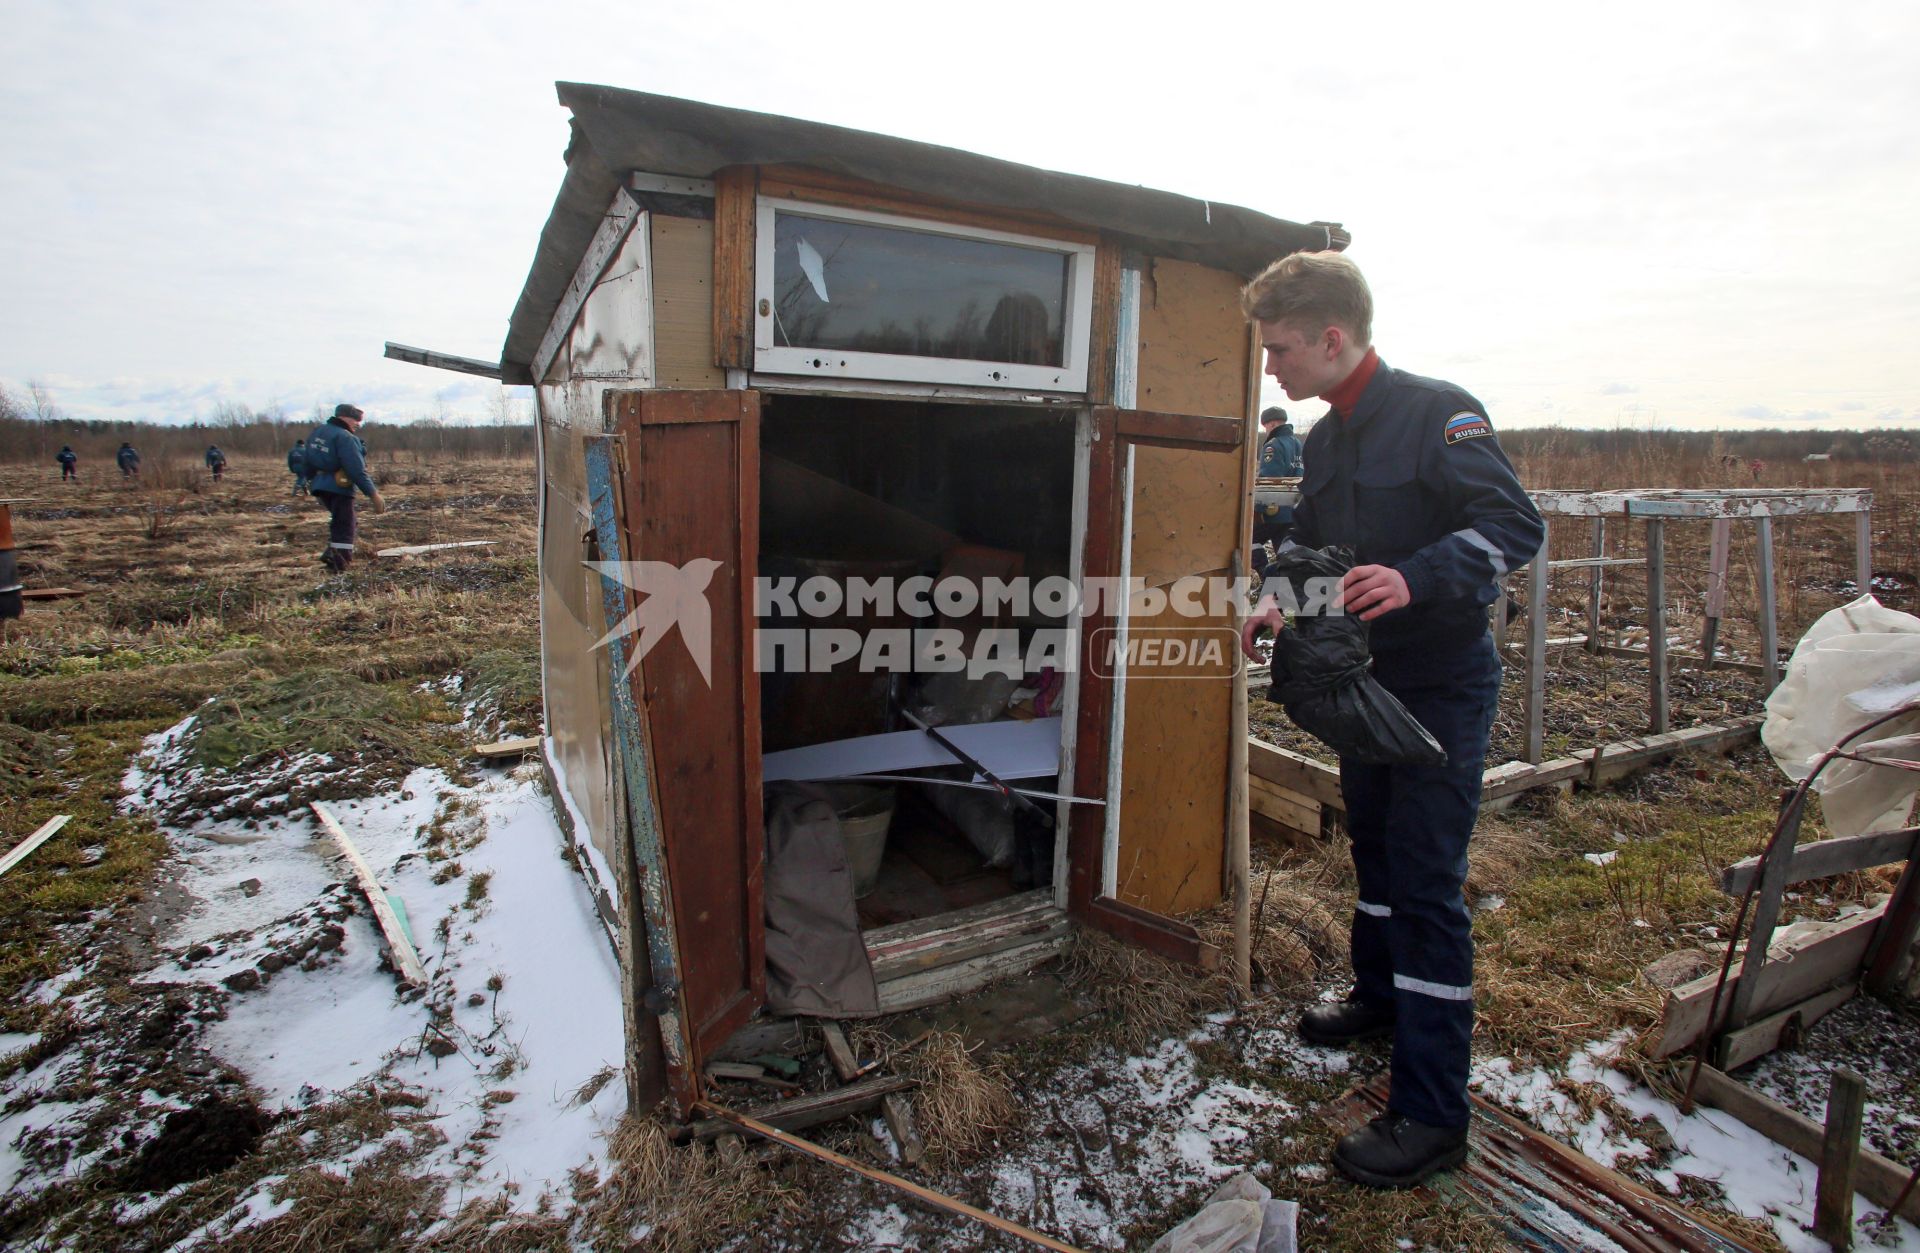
1344	1022
1394	1151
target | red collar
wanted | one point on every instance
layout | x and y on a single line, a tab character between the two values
1347	394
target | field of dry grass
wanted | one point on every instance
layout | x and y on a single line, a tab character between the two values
196	591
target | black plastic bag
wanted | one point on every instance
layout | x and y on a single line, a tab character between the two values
1321	666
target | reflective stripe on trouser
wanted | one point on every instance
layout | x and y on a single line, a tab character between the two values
1412	934
341	526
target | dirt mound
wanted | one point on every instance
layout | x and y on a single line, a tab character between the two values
196	1142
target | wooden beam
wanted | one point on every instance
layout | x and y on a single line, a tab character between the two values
1769	614
1623	650
1780	1030
1717	554
926	1195
508	748
1805	960
414	550
1283	805
1895	942
797	1113
1828	857
1157	933
49	593
1180	430
1295	772
1515	777
734	193
1767	896
1876	1178
839	1052
1657	717
442	360
898	1112
47	830
405	961
1594	584
1863	551
1596	563
612	234
1533	745
1833	1194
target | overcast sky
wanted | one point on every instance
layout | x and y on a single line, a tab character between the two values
1672	214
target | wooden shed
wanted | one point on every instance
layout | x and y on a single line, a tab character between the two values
764	346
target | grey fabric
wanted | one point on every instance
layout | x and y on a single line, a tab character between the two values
617	131
816	961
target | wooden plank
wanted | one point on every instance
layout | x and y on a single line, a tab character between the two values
898	1112
442	360
1282	805
1295	772
1875	1177
607	242
49	593
1718	551
1168	937
1595	582
1894	944
1100	559
1769	613
1833	1194
1180	430
920	988
1624	650
683	354
1778	1030
405	961
1194	340
1623	758
1515	777
1102	334
980	940
1596	563
733	241
1185	518
21	851
411	550
1657	713
508	748
1828	857
800	1112
1863	551
839	1052
925	1195
1768	894
1806	959
1533	747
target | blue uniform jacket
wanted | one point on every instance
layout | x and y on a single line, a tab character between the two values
333	444
127	457
297	460
1280	455
66	457
1415	479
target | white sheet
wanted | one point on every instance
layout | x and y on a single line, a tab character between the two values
1012	750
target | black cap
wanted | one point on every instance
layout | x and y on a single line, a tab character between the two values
1273	413
347	411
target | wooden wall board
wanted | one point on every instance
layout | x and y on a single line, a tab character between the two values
1100	560
1106	322
734	190
1194	343
1186	512
683	303
1174	789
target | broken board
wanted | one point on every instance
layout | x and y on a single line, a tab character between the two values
1545	1195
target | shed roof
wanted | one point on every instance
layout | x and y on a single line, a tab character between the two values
618	131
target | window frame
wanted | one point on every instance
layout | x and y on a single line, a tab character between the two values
1076	317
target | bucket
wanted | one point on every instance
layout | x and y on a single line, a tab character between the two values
864	813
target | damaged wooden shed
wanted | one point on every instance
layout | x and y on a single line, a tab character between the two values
768	350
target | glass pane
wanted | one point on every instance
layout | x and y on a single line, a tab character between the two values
856	287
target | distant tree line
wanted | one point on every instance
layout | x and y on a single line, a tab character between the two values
1774	446
32	428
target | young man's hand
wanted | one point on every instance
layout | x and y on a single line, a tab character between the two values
1265	614
1373	590
378	502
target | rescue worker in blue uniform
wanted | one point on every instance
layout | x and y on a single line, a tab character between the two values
216	461
297	465
69	463
337	461
1280	448
1407	471
128	459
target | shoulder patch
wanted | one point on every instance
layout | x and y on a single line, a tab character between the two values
1466	425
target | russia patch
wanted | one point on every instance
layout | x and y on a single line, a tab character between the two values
1466	425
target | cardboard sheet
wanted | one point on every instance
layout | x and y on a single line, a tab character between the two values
1012	750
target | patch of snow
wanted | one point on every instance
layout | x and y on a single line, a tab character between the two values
12	1042
1602	859
602	869
879	1229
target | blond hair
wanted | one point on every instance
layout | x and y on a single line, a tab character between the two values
1312	291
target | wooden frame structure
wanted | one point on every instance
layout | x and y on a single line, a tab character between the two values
1656	508
637	328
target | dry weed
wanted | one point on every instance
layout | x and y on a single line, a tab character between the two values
962	1102
678	1199
1144	997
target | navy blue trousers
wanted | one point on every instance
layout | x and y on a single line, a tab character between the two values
341	525
1412	934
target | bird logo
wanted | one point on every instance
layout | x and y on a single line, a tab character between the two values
675	596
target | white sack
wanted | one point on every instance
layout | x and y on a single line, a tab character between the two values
1856	663
1240	1217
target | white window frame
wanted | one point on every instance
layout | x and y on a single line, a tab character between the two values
1077	317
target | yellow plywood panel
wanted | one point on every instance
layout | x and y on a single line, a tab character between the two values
683	303
1174	789
1194	344
1186	511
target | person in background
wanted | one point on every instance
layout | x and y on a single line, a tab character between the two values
336	460
1280	447
1406	471
69	461
297	465
216	461
128	459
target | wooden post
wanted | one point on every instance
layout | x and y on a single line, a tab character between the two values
1593	585
1239	854
1716	586
1833	1198
1657	624
1863	551
1769	618
1537	575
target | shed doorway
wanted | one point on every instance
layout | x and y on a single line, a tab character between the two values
888	500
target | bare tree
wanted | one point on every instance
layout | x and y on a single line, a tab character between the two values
43	407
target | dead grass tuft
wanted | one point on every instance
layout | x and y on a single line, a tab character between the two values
314	711
962	1103
1144	997
674	1198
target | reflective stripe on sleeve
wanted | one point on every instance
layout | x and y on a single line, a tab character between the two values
331	545
1487	546
1441	991
1372	910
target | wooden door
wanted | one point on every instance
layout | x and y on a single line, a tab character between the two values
1164	507
691	497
